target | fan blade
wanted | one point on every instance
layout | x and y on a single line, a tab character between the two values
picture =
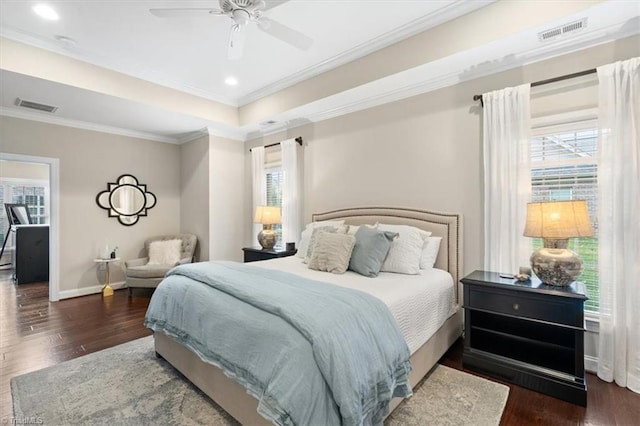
184	13
284	33
237	36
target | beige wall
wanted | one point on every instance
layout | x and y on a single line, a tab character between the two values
194	189
422	152
88	160
21	170
226	202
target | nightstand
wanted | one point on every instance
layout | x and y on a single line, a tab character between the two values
252	254
527	333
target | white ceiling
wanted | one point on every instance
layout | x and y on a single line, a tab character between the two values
189	54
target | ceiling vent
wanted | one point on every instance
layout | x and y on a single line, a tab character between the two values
35	105
562	30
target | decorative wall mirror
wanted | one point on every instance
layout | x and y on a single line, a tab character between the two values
126	199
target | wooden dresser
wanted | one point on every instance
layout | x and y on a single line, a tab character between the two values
526	333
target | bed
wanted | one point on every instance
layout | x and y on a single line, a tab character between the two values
233	397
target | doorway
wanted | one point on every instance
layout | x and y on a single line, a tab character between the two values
53	210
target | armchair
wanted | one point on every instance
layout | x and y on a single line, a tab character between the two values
139	273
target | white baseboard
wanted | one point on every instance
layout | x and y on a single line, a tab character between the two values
591	364
83	291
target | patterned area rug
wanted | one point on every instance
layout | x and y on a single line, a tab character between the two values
127	384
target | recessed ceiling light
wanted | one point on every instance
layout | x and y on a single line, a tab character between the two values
231	81
46	12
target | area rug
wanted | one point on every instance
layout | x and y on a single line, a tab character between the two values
127	385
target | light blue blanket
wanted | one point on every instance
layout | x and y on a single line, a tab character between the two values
312	353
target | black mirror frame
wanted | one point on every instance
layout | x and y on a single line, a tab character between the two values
149	200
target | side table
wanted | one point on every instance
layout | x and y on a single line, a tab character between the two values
527	333
252	254
107	290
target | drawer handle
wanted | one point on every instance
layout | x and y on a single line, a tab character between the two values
516	306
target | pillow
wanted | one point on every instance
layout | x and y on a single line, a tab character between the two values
406	250
332	252
430	252
303	244
370	250
354	228
165	252
342	229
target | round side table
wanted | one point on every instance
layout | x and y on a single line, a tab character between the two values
107	290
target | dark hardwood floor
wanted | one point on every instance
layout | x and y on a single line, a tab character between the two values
35	334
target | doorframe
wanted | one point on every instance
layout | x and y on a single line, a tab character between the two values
54	215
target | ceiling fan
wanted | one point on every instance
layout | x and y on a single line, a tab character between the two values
242	12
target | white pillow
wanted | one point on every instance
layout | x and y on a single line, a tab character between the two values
165	252
354	228
305	237
430	252
406	250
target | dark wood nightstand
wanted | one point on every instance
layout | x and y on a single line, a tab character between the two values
526	333
252	254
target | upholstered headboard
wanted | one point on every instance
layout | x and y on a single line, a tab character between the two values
445	225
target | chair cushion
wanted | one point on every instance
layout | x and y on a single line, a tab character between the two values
165	252
148	271
187	248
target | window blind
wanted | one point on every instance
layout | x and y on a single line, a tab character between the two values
274	177
564	167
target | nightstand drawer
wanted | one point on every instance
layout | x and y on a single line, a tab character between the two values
526	306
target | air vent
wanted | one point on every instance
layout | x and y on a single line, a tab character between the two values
562	30
35	105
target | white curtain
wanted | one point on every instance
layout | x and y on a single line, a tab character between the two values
291	197
619	223
259	184
507	178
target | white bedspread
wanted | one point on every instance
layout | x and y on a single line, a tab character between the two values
419	303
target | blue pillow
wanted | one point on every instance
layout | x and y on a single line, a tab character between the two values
370	250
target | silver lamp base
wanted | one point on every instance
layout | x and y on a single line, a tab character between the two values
267	237
556	265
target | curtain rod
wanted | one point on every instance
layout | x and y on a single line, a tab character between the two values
298	139
550	80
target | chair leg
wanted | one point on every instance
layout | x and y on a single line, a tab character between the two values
130	291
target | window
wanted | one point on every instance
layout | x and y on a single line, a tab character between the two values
33	193
274	177
564	167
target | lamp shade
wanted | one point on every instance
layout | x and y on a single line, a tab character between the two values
267	215
558	220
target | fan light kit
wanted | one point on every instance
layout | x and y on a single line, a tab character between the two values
243	12
46	12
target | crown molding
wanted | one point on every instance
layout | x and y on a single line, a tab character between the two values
442	73
417	26
85	125
146	74
235	134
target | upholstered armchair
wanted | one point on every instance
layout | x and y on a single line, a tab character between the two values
147	272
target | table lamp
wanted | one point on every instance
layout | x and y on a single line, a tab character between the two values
267	216
555	222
